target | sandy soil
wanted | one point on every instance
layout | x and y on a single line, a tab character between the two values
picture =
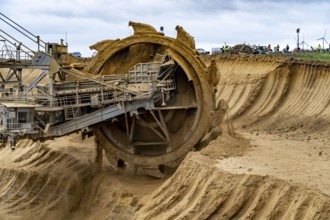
200	190
283	110
296	161
271	162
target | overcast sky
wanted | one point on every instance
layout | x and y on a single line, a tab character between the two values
211	22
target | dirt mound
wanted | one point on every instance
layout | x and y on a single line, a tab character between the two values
199	190
242	48
112	196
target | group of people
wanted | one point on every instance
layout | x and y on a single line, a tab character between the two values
227	48
319	48
277	48
286	49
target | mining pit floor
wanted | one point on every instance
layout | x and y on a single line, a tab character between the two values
271	160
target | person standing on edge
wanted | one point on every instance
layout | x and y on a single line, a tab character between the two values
227	48
269	48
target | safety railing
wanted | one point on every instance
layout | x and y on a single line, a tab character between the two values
168	85
80	100
7	54
67	100
17	97
21	127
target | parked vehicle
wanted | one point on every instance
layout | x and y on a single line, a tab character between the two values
216	50
76	54
201	51
261	50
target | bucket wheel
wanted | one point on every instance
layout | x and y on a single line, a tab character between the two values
157	138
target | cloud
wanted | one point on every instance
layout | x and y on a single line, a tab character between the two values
212	23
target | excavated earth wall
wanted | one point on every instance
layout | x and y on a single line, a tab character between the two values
276	94
271	162
282	106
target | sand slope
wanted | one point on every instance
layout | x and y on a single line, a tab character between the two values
281	95
272	164
200	190
39	183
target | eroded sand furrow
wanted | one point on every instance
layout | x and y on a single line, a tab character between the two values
246	78
246	196
309	90
302	97
288	94
39	182
267	100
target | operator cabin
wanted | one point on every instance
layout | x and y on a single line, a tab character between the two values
17	117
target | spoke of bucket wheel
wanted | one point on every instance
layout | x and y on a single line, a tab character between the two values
153	129
126	124
131	133
162	121
161	125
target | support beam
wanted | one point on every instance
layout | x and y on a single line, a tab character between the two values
93	118
36	81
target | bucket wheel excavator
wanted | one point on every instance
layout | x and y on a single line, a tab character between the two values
160	136
147	98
